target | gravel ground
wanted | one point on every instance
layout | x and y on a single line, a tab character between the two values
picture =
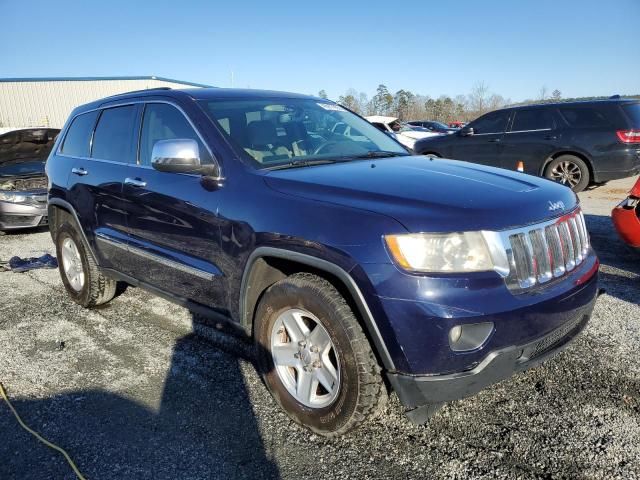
134	390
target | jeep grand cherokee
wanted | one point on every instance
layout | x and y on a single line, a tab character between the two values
345	258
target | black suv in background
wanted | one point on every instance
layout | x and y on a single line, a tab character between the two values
574	143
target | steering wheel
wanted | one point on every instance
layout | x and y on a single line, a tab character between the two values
324	146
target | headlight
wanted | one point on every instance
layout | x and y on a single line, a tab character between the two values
441	252
12	197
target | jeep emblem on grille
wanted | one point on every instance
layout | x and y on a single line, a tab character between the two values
553	206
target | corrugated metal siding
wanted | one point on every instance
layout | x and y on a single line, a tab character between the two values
48	103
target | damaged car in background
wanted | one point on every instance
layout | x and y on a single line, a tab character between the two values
23	183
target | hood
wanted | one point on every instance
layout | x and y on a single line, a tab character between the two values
430	195
24	167
24	151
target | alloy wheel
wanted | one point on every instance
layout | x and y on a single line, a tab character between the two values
72	264
305	358
567	173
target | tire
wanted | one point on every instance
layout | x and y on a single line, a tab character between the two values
358	389
570	171
81	277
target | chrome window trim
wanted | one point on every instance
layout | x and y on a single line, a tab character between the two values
489	133
534	130
155	258
124	104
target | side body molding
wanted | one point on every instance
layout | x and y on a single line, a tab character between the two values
246	315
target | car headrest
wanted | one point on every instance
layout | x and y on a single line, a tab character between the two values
262	132
296	131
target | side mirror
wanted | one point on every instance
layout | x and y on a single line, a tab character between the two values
466	131
178	155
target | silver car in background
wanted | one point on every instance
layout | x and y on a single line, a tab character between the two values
23	183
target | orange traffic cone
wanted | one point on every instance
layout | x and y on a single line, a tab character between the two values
520	166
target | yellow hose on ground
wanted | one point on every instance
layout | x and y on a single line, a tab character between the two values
3	393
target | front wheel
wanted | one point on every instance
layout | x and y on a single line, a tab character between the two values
569	170
314	357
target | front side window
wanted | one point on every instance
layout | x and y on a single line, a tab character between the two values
493	122
165	122
268	132
534	119
114	138
76	143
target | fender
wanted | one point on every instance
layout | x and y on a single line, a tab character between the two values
246	316
66	206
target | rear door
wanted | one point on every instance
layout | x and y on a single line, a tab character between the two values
172	221
484	146
97	178
532	138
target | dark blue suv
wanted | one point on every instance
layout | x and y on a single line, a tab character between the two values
356	267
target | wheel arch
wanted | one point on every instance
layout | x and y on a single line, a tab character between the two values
581	155
268	265
58	211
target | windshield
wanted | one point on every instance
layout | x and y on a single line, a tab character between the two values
281	131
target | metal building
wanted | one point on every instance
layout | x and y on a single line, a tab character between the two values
47	102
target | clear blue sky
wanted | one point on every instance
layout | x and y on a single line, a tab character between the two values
580	47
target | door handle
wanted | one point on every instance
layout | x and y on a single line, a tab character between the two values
135	182
551	137
79	171
495	140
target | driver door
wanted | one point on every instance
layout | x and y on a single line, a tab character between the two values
485	145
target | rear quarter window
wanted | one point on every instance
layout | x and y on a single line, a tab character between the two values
76	142
584	117
632	111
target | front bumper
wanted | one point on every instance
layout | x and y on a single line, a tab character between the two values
626	219
415	390
15	216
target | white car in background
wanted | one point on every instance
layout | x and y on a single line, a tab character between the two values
406	134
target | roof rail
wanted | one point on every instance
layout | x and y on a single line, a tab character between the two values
139	91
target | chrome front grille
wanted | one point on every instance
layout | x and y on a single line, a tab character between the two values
539	253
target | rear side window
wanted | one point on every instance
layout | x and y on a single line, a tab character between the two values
582	117
164	122
76	142
632	111
534	119
493	122
114	138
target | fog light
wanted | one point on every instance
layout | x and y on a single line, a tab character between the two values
470	336
454	334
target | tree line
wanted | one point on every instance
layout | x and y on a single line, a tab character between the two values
407	105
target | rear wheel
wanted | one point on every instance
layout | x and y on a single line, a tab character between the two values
569	170
314	356
82	278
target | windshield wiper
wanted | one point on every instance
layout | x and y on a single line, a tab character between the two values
380	154
300	163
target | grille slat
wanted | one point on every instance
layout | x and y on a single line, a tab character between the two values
540	254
